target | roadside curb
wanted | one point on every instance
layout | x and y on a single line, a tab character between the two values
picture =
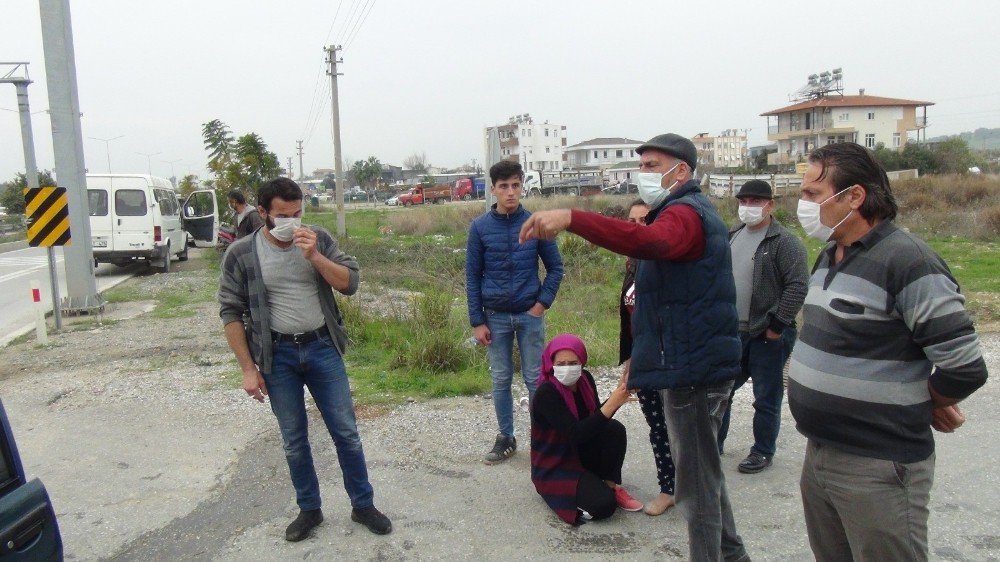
11	246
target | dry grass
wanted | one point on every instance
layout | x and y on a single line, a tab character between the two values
950	205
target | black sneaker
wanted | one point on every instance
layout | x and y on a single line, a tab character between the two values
503	449
303	524
754	463
373	519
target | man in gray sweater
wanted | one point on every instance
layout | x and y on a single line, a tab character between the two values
769	267
283	325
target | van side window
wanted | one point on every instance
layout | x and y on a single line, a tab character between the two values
167	201
130	203
98	202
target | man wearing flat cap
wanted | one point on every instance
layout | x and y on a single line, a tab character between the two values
685	342
769	267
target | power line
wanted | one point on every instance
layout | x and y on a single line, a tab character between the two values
334	22
350	19
363	19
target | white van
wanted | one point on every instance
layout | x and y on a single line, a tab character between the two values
138	217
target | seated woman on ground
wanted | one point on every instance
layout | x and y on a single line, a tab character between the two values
577	449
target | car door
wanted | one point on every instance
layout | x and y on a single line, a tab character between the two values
201	218
28	528
133	220
100	219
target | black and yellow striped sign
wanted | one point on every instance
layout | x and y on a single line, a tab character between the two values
47	211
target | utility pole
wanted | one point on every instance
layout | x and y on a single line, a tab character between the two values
18	76
67	145
290	173
301	173
331	59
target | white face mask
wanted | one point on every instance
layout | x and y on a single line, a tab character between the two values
284	228
567	374
808	213
752	216
651	187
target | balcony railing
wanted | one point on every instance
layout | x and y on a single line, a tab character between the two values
800	127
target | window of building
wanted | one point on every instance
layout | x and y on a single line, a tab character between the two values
605	153
632	152
895	140
595	154
871	115
870	140
619	153
547	150
546	132
844	117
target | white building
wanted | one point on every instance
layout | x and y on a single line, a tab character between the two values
727	150
826	119
601	153
537	146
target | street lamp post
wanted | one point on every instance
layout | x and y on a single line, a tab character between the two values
107	147
173	177
149	164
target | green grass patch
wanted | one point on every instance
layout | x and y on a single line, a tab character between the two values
975	263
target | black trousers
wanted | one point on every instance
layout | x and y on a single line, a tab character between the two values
602	459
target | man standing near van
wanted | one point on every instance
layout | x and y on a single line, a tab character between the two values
247	218
506	298
282	323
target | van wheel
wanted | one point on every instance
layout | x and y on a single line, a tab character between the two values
183	256
466	197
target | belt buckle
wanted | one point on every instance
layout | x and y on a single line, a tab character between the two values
299	337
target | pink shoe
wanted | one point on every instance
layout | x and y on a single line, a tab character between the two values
626	501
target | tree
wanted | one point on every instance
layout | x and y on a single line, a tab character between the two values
188	184
428	180
953	156
367	172
416	161
257	164
12	197
244	163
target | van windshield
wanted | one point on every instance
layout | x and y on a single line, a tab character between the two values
130	203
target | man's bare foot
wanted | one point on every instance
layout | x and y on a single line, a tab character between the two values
659	504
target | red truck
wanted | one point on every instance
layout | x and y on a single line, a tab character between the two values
422	194
470	188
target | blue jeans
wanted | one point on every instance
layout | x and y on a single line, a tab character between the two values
763	361
530	333
318	366
693	416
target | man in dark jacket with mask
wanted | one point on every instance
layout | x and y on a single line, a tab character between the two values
505	297
684	327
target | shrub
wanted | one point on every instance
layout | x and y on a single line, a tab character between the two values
990	219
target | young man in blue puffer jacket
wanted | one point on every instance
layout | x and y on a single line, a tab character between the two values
506	298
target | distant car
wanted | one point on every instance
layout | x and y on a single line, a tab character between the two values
394	200
28	528
355	196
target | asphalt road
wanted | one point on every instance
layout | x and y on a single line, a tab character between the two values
20	268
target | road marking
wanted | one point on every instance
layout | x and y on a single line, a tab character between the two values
32	265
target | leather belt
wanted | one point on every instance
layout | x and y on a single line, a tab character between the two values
301	337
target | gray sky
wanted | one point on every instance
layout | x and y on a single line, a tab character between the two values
426	75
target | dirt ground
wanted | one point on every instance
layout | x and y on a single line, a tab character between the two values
150	450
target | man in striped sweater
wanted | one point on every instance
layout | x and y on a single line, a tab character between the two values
886	352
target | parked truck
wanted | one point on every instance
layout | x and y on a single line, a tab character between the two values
567	185
470	188
421	194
